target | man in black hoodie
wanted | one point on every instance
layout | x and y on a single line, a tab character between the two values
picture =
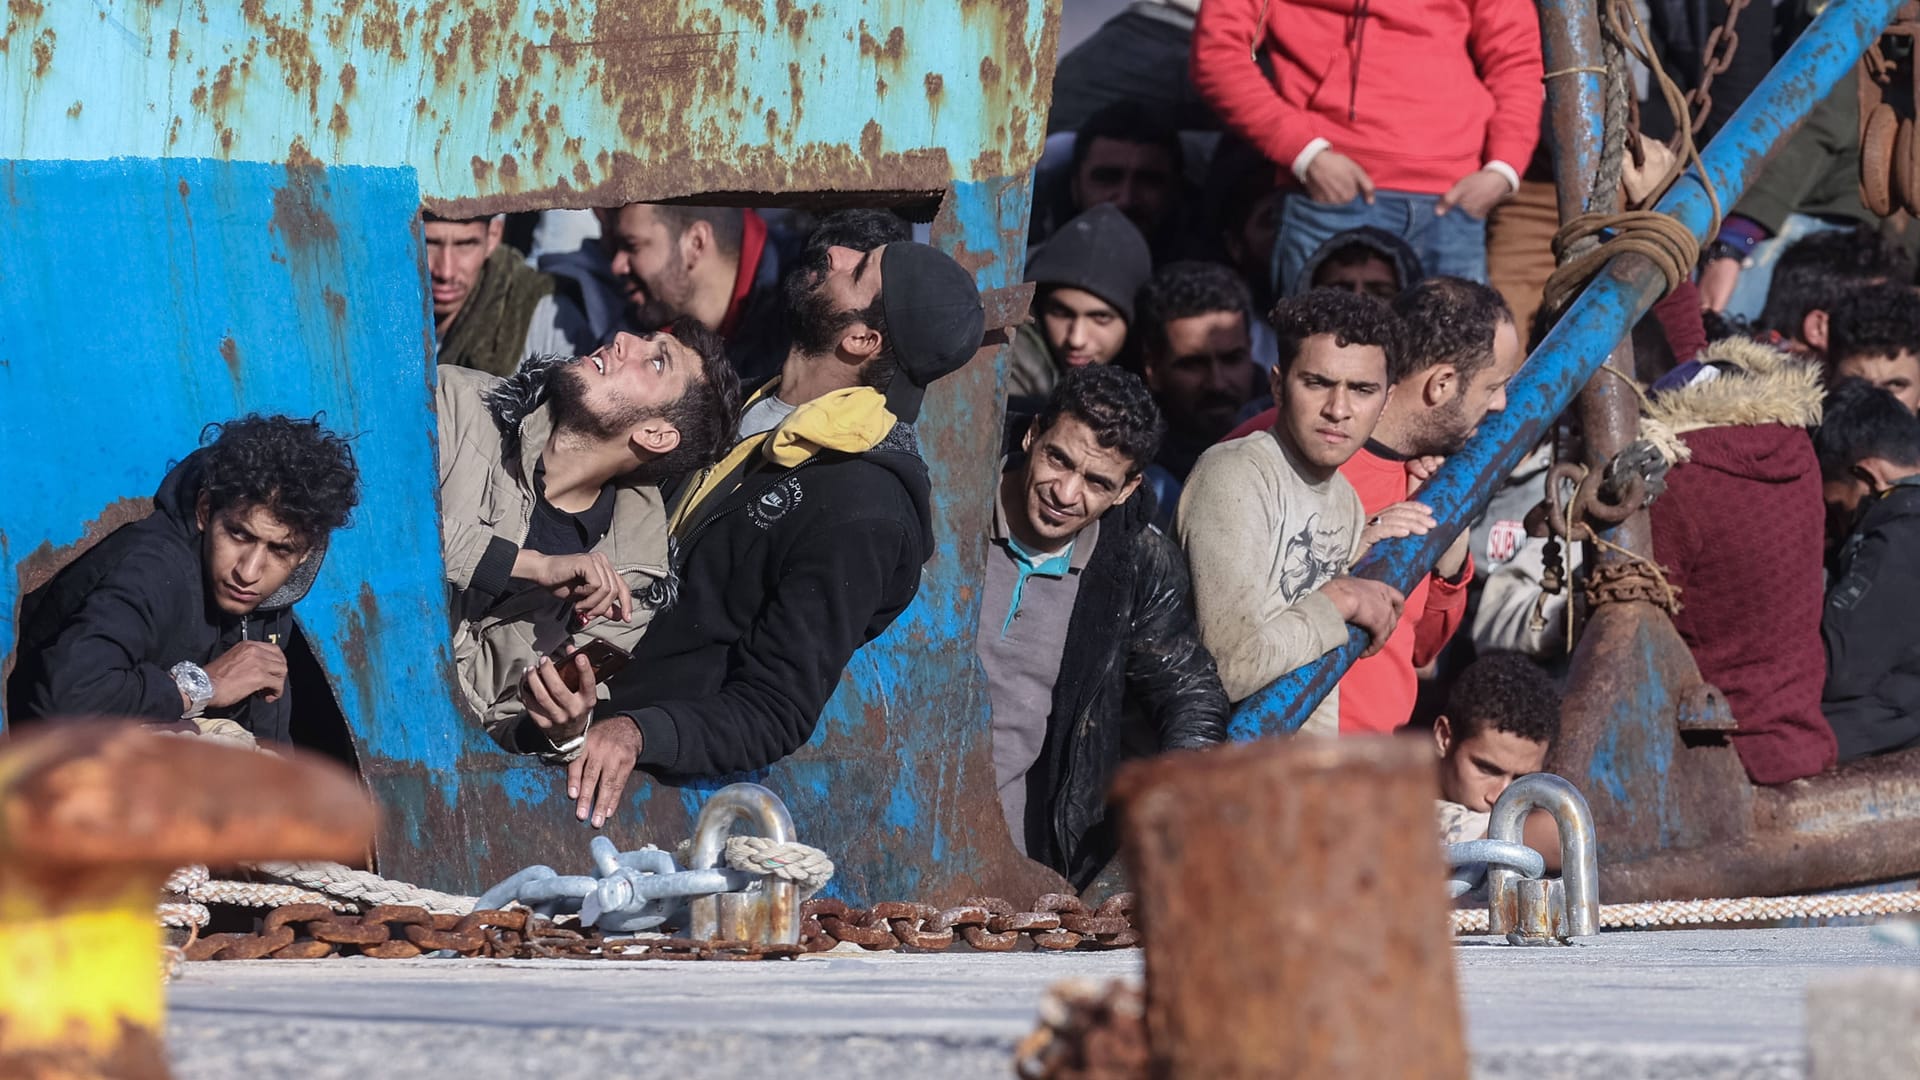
1869	448
186	614
805	541
1086	613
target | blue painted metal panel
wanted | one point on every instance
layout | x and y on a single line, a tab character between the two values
583	102
1580	342
147	298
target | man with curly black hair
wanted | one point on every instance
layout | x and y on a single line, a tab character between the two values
185	615
1459	351
1269	523
552	525
1873	334
1085	616
1501	718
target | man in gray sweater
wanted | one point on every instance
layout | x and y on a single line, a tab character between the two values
1269	524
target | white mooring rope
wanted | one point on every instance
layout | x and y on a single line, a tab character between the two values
1742	909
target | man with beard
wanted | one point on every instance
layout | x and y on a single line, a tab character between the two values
491	311
710	263
805	541
1462	350
1196	352
553	530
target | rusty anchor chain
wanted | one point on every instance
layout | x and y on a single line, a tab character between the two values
1055	922
1723	42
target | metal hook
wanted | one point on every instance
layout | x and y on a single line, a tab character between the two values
1539	911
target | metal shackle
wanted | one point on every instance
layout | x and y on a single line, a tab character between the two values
1568	907
768	911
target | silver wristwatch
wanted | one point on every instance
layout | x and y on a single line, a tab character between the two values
194	685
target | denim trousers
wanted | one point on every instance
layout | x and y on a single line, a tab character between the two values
1453	243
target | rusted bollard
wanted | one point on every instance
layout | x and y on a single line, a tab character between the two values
93	816
1295	918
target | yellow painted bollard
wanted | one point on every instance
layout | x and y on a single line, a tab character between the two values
93	817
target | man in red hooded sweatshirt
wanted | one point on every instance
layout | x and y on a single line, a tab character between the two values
1414	117
1462	350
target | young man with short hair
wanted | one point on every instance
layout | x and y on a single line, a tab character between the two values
1086	616
185	615
1462	349
805	541
491	311
1087	275
552	526
1127	155
1869	449
710	263
1196	353
1501	718
1813	275
1874	334
1269	524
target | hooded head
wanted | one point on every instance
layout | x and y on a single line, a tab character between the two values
1088	274
1367	259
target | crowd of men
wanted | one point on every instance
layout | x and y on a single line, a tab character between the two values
681	484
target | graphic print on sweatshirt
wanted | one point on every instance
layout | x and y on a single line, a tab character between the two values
775	502
1312	557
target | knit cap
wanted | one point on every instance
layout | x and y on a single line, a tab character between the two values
1101	252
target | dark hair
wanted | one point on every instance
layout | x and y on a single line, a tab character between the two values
1130	122
1115	405
706	414
1182	290
861	230
1816	271
1874	320
1861	421
1449	320
483	219
298	471
1352	318
729	223
1504	691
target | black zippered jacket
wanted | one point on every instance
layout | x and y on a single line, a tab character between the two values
100	637
1872	695
779	582
1132	650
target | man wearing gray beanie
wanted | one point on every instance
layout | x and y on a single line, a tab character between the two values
1087	274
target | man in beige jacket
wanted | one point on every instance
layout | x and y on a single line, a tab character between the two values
553	530
1269	524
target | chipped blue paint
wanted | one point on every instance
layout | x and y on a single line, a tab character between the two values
1581	341
557	96
768	96
121	363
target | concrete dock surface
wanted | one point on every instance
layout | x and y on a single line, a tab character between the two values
1624	1006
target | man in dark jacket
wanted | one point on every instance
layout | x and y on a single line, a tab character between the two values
805	541
1869	447
185	615
1086	612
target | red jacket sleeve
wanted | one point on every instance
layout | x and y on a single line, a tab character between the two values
1505	42
1225	34
1446	609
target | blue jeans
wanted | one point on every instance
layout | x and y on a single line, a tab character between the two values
1454	243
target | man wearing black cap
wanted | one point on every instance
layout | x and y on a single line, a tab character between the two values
805	541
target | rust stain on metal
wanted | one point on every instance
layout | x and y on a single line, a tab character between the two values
1343	830
336	306
989	71
47	560
348	76
297	215
230	354
43	52
73	111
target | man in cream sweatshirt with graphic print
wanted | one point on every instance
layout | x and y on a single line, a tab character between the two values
1270	526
